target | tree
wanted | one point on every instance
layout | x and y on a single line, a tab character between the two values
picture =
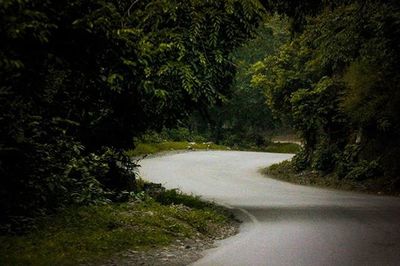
80	79
243	118
337	82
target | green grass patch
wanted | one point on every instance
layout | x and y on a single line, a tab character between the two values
94	233
283	148
151	148
174	196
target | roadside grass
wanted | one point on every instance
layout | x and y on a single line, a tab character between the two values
282	148
174	196
151	148
90	235
284	171
286	138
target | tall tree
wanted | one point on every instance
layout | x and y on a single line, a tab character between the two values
337	82
243	118
80	79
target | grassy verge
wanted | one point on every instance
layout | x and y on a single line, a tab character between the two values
284	171
283	148
150	148
94	233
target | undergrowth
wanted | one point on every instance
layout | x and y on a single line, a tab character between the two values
286	171
94	233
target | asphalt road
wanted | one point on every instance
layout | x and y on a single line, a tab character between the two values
284	224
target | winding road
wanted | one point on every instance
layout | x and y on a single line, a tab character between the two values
283	224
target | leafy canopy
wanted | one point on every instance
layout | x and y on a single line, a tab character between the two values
80	79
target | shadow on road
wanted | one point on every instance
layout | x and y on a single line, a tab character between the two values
331	213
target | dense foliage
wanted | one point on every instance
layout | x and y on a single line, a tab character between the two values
80	79
337	81
243	118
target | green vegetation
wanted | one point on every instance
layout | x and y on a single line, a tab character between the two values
171	140
243	120
287	172
150	148
282	147
174	196
93	234
80	79
82	82
337	83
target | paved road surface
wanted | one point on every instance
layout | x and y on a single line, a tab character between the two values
284	224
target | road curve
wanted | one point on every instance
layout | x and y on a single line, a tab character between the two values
284	224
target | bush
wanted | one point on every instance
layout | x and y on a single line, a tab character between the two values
150	137
283	168
364	170
78	76
177	134
173	134
324	158
347	160
52	184
300	161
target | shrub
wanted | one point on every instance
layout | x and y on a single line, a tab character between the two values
91	178
324	158
347	160
300	161
173	134
364	170
150	137
179	133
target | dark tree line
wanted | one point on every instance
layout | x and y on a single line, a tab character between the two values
243	119
330	71
337	82
80	79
